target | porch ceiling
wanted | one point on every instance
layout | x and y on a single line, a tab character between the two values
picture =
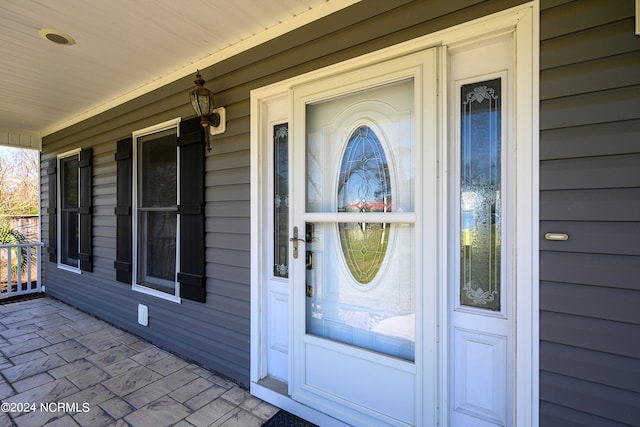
123	48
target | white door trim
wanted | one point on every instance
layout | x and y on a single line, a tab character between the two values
528	221
523	21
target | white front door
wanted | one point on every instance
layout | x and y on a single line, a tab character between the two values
395	279
360	184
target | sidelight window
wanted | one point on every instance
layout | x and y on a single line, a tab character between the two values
480	194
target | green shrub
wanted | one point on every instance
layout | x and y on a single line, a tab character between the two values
11	236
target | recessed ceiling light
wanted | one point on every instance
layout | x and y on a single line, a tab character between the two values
57	37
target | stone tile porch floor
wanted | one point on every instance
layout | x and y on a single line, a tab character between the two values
53	353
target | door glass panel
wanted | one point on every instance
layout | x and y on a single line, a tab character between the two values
379	318
364	185
480	192
360	275
388	112
281	200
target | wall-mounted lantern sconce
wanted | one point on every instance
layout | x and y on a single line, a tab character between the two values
212	119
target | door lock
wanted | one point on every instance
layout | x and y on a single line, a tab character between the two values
295	239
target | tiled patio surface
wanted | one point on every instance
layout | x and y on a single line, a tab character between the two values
67	368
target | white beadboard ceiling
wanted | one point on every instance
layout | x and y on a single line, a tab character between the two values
123	49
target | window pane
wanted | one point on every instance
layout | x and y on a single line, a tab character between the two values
157	250
69	182
480	190
281	200
69	238
158	179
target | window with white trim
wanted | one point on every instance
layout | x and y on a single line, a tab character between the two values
160	233
69	215
156	218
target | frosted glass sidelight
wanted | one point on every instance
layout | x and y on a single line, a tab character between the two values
480	192
281	200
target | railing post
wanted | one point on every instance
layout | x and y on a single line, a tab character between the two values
9	271
19	286
38	266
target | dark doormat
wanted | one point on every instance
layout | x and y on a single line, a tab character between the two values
284	419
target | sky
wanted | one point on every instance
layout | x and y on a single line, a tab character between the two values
7	152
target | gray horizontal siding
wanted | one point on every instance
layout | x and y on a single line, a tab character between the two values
619	305
604	368
606	336
556	415
602	74
590	189
590	205
608	39
612	405
589	269
586	141
595	107
592	14
592	172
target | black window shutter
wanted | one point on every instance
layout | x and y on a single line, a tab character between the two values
85	210
192	245
124	238
51	210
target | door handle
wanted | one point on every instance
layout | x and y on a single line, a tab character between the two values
295	239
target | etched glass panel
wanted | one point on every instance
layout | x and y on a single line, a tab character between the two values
364	186
480	192
281	200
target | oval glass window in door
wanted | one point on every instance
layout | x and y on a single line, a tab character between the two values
364	185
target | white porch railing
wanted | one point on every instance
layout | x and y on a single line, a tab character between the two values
20	269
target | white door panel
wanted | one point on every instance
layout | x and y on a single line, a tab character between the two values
278	332
479	379
345	381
